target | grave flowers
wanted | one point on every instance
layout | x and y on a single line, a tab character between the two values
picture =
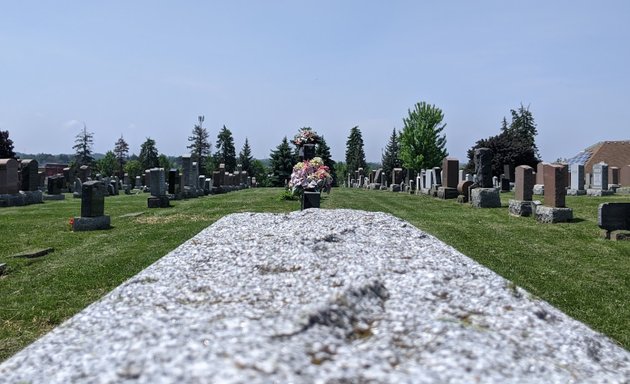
306	136
308	180
305	141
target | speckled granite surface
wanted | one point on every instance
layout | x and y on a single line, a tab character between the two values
319	296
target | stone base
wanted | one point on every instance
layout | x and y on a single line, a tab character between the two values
54	197
76	195
433	192
394	188
91	223
447	193
623	190
485	198
20	199
576	192
553	215
32	197
462	199
598	192
520	208
383	188
539	189
158	202
618	235
310	200
376	186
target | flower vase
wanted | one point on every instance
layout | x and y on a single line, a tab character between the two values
307	151
310	199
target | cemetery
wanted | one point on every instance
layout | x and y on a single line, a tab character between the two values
509	249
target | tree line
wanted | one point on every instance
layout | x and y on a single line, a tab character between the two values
419	144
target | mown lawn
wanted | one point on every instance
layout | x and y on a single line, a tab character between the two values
565	264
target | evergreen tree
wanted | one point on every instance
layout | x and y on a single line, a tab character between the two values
355	155
245	157
259	171
323	150
200	146
83	148
391	157
121	151
149	155
6	146
421	145
282	160
514	145
225	151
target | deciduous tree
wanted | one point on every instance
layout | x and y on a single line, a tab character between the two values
421	145
6	146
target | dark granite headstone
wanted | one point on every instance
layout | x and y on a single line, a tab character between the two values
55	184
173	176
450	166
397	176
509	172
93	199
8	176
555	188
30	179
483	167
614	216
524	184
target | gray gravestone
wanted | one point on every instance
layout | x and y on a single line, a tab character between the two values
30	179
8	176
483	167
93	199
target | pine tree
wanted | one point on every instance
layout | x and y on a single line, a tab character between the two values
391	157
515	145
421	145
199	145
225	151
245	157
355	155
282	160
149	155
121	151
83	147
323	150
6	146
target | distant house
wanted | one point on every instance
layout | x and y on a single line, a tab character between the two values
51	169
613	153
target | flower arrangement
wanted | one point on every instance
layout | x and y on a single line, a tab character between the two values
310	174
306	136
71	223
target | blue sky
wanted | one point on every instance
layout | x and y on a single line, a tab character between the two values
264	69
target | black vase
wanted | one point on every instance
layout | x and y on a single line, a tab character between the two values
310	199
307	151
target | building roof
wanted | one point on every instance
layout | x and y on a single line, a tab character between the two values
613	153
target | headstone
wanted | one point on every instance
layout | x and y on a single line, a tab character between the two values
194	175
577	180
483	167
555	189
92	208
138	182
78	188
8	177
599	187
540	173
450	166
30	179
495	182
554	210
216	179
92	199
509	172
173	182
55	184
521	205
437	174
463	191
158	198
397	175
377	175
186	170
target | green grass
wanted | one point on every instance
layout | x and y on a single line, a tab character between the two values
565	264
